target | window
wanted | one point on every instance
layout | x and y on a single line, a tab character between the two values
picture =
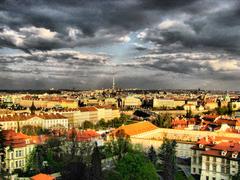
214	159
213	178
207	158
200	160
207	167
223	169
223	160
194	170
207	178
16	164
16	154
194	160
214	168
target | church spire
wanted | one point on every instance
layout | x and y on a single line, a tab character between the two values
33	108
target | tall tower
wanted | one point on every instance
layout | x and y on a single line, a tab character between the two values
113	82
113	78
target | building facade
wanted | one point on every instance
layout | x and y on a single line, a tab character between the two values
214	159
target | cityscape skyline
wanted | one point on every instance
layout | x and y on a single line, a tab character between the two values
149	44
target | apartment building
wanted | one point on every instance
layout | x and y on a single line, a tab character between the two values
18	148
47	102
92	113
215	158
131	102
160	103
42	120
167	103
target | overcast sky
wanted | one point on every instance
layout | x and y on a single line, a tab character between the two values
149	44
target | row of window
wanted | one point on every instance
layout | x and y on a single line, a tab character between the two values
18	164
224	169
213	178
19	153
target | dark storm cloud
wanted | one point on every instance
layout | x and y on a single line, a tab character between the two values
165	4
196	40
202	25
212	25
89	18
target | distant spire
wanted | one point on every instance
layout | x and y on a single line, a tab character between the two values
33	108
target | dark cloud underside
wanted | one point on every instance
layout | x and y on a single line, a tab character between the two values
79	41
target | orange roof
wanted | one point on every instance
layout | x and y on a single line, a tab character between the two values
89	108
136	128
42	177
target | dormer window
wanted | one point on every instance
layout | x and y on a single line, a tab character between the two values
224	153
201	146
234	155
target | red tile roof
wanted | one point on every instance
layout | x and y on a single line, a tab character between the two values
89	108
43	177
20	140
230	122
82	135
26	116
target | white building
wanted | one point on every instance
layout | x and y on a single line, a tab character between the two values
214	159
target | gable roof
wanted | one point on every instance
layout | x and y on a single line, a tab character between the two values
136	128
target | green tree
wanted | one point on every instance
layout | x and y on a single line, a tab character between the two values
158	121
96	165
118	147
116	122
189	113
75	170
152	155
124	118
167	154
101	124
163	121
112	175
32	130
36	158
167	120
47	158
223	111
87	125
134	165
